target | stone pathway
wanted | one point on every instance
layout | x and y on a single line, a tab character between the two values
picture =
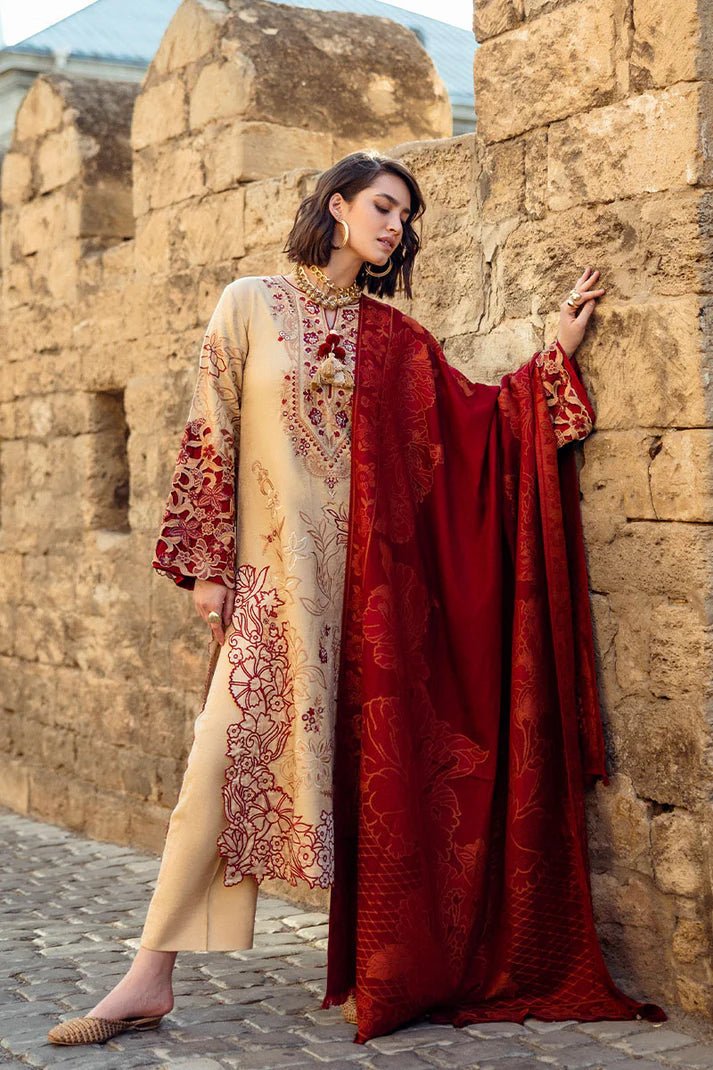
72	910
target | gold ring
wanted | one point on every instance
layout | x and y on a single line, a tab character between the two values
213	617
575	299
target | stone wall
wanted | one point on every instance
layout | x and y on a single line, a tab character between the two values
592	147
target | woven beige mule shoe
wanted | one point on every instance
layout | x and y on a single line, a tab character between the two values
97	1030
349	1010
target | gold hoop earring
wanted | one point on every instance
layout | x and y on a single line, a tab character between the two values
379	274
346	233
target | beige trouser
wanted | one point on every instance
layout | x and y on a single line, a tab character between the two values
191	909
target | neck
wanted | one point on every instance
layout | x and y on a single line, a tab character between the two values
342	269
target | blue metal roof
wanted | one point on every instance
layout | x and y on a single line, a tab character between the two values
130	31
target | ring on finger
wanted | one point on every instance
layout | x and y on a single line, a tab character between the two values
575	299
213	617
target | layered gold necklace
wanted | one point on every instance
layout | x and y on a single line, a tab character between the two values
332	296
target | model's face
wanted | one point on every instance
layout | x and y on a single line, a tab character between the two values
377	212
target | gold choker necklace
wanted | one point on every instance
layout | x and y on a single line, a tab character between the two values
339	295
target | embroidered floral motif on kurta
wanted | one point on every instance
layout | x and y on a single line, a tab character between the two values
260	502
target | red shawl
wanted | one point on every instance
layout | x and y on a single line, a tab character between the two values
468	722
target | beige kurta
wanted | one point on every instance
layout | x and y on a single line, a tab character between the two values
269	429
268	401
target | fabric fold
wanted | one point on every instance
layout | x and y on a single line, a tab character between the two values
468	723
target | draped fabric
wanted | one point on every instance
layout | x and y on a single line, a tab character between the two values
468	723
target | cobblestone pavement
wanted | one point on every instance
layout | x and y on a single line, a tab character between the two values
72	911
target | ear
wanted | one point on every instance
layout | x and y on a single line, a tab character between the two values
336	205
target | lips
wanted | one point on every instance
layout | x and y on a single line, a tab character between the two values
386	243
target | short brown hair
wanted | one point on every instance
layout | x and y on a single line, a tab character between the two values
310	240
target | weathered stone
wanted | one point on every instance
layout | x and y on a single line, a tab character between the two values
677	853
41	110
690	940
159	114
614	481
619	829
59	159
643	365
682	476
16	178
270	203
223	90
161	179
515	58
492	17
661	747
613	152
45	221
500	181
244	152
192	33
666	45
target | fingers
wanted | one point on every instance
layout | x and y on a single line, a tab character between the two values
212	598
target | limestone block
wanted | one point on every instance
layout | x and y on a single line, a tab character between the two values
223	90
376	95
167	176
660	746
690	940
615	151
14	784
633	900
695	997
682	476
492	17
16	178
156	237
212	229
487	358
46	221
676	557
192	33
666	45
16	284
681	652
245	151
614	481
41	110
642	364
107	819
585	65
48	793
159	113
59	159
652	244
677	853
619	827
500	181
271	205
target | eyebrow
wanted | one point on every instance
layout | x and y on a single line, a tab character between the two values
392	199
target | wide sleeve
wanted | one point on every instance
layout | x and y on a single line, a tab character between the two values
198	530
569	407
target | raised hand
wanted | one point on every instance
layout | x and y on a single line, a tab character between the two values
573	321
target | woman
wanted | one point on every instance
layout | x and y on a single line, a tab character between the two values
351	514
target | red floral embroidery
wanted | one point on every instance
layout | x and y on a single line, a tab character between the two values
197	537
570	417
317	393
265	836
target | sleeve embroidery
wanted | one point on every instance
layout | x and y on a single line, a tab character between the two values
571	418
197	535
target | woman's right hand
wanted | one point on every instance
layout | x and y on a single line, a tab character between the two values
208	596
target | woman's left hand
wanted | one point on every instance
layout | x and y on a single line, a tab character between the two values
573	321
